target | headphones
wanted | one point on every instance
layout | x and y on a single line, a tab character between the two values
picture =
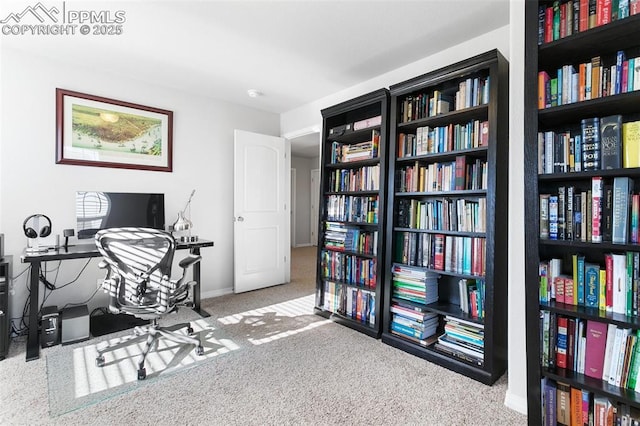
31	233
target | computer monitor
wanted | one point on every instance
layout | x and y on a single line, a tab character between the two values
101	210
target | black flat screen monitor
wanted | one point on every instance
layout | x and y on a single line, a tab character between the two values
101	210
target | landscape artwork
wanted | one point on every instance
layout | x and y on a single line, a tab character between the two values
95	131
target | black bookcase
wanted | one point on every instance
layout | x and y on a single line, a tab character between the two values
466	102
351	229
580	47
5	323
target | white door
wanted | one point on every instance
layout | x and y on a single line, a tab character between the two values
261	216
315	200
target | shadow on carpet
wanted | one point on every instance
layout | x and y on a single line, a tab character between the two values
76	382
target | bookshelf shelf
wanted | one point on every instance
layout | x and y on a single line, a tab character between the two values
596	46
481	81
348	282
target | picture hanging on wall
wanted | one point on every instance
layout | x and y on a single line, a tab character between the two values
96	131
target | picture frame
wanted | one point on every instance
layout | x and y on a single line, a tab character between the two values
102	132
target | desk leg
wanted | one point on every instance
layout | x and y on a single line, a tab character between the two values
33	346
196	287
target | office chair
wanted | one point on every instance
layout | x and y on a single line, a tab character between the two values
138	263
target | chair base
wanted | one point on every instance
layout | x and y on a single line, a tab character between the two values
154	332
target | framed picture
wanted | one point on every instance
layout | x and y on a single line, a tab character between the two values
102	132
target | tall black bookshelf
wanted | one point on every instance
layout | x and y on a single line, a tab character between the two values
453	123
349	278
575	47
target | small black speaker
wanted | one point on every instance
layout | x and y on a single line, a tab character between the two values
50	333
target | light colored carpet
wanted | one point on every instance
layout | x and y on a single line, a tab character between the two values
291	368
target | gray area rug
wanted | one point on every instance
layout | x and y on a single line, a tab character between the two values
75	381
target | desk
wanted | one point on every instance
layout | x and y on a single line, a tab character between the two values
85	251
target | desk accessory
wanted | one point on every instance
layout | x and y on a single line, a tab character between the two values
67	233
50	331
184	224
29	227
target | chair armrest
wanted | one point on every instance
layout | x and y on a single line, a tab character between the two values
189	260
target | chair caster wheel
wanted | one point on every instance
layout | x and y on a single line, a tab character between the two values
100	361
190	330
199	350
142	374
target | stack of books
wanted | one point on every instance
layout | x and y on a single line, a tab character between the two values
414	284
413	323
463	340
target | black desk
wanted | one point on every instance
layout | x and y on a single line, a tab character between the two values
85	251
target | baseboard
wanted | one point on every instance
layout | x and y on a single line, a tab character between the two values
516	403
216	293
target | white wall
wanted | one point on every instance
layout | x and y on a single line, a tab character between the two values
509	40
303	166
31	182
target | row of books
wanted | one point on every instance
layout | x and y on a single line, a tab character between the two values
564	18
350	208
348	268
350	239
360	179
414	323
414	284
357	125
472	296
470	92
446	214
452	137
459	255
355	303
613	287
591	80
607	211
600	144
462	339
446	176
563	404
347	153
602	351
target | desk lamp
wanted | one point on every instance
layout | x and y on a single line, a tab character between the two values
185	224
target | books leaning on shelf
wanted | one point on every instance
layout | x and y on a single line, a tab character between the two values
472	294
341	237
463	340
564	18
355	303
346	153
607	211
589	80
446	214
452	137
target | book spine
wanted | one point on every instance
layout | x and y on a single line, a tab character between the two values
596	209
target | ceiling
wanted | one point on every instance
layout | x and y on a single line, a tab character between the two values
293	52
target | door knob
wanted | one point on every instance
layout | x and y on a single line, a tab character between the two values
240	219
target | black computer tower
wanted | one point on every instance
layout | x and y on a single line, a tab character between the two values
50	330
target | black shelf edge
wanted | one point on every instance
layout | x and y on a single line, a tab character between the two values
442	231
356	193
571	176
481	374
448	273
353	253
464	192
354	285
370	330
617	35
623	103
451	117
475	152
345	223
598	386
354	164
359	135
442	308
605	245
591	313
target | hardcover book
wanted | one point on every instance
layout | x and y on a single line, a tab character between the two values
590	143
631	144
622	188
595	348
611	141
